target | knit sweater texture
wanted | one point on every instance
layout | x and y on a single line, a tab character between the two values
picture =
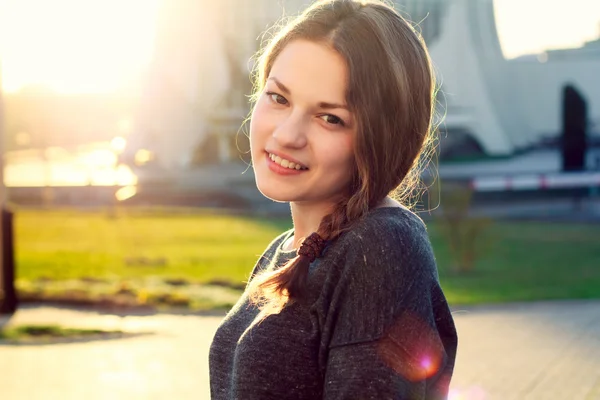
374	323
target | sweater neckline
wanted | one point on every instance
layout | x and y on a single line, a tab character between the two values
290	233
286	237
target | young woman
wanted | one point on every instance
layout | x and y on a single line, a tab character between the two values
347	304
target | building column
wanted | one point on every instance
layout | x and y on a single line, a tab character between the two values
8	298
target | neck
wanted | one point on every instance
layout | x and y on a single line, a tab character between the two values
306	219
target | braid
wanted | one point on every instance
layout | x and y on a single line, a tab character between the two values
273	290
312	247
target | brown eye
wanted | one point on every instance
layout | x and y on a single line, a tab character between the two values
332	119
277	98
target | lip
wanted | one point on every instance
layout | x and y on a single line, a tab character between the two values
283	155
278	169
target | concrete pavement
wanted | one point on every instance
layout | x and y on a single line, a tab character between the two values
545	351
170	364
548	350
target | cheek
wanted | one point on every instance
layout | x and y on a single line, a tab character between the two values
254	123
348	159
339	156
346	147
259	124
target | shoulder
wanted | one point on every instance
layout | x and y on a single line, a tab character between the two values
390	241
383	267
388	225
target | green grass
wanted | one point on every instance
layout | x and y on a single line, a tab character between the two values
47	333
525	261
140	247
151	292
137	243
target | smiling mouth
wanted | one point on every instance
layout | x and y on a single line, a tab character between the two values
286	163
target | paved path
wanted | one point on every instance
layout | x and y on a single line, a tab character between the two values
523	351
543	351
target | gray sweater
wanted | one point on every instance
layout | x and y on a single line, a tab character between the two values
374	324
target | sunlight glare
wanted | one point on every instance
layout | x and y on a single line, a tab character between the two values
143	156
99	158
75	46
470	393
125	193
124	176
533	26
118	144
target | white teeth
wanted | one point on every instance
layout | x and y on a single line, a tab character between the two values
285	163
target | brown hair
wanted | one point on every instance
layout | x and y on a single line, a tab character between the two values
391	93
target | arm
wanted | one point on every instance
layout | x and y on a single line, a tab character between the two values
392	332
358	371
412	361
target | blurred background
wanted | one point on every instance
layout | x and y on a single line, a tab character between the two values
131	219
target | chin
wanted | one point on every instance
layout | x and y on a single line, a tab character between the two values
277	194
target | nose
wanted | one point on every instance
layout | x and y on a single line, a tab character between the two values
291	132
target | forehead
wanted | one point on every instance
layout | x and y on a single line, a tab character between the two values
313	70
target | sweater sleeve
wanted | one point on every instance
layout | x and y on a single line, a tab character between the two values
392	334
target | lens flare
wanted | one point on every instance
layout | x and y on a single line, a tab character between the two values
124	176
125	193
143	157
412	348
118	144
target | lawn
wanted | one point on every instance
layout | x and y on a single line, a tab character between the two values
42	334
174	256
134	243
525	261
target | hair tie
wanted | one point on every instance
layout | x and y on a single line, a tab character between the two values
312	246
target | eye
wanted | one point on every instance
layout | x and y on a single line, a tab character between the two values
277	98
332	119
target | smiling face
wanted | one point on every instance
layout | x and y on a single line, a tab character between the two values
301	131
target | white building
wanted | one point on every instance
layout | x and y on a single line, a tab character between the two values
505	105
197	89
198	83
539	79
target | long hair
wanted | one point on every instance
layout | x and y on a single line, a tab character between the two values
391	92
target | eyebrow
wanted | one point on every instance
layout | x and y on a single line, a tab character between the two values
322	104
